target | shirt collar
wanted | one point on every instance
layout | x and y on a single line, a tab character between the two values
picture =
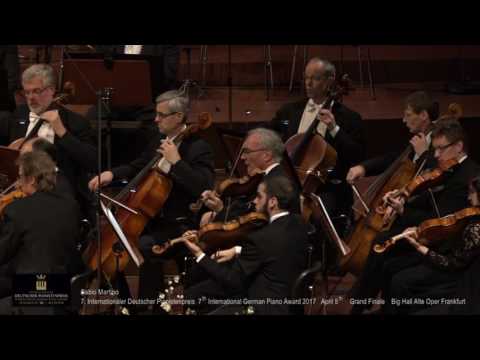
270	168
279	215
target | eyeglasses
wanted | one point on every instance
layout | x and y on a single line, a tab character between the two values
247	151
163	116
442	147
35	92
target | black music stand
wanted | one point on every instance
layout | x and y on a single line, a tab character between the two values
132	81
137	79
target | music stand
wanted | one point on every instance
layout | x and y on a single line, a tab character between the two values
133	252
232	141
122	72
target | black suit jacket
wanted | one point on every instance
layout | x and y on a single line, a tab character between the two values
192	175
76	154
39	234
271	260
349	142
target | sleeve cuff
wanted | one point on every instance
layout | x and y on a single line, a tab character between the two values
238	250
334	131
200	257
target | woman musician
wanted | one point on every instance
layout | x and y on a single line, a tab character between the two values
435	280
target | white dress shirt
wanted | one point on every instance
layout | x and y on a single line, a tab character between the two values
309	114
45	131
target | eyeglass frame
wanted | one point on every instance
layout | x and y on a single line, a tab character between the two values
247	151
35	92
444	147
163	116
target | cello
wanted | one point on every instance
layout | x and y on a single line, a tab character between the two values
397	176
146	194
311	155
9	154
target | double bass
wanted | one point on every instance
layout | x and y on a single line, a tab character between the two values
398	175
146	194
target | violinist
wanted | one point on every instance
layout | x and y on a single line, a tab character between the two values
271	259
38	233
68	131
451	195
262	152
191	169
437	275
419	113
62	185
341	127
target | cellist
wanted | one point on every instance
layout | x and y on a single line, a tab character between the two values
341	127
68	131
419	114
191	168
451	195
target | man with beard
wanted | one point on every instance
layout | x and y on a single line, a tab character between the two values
270	261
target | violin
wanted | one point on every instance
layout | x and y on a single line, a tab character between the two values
9	198
433	230
233	186
418	184
219	235
379	217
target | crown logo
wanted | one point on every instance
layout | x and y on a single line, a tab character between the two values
41	283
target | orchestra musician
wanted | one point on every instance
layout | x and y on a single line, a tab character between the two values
262	151
68	131
191	169
442	268
419	113
271	260
341	127
448	142
39	233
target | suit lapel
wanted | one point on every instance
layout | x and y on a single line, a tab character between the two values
297	113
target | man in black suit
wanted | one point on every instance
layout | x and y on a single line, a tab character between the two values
262	152
341	127
189	166
419	114
38	233
271	258
448	143
69	132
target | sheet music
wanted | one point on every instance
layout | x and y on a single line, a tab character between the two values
136	257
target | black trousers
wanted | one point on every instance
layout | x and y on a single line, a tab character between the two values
421	287
379	268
